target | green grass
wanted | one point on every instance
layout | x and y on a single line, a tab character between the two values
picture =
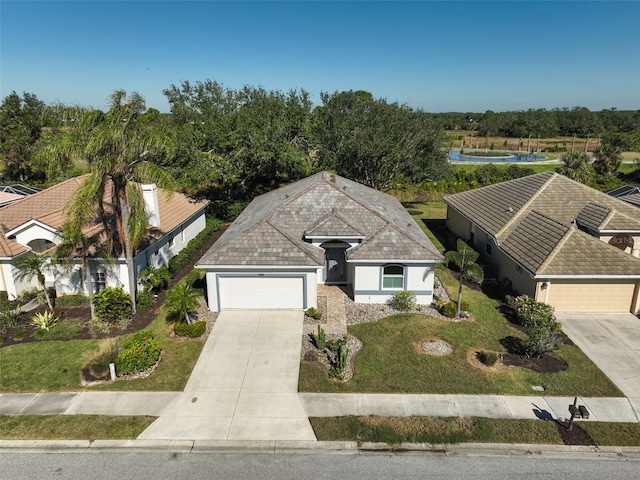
43	366
72	427
68	328
619	434
390	361
395	430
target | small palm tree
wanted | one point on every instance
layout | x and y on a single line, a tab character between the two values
576	166
34	265
182	300
464	257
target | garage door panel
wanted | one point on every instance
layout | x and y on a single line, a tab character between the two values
591	296
261	292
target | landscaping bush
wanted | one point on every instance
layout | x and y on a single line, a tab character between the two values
5	304
531	313
72	300
177	263
488	358
193	330
155	279
543	330
28	294
144	298
311	356
112	304
139	353
45	320
403	301
97	326
313	313
10	318
450	308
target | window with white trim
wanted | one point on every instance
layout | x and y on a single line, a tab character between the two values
393	277
99	280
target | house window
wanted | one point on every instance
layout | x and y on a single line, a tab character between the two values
488	248
393	277
172	242
99	280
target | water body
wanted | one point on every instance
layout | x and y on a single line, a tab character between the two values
510	158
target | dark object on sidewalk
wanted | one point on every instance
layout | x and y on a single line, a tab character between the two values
574	411
584	413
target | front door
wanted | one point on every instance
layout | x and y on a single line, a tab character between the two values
336	265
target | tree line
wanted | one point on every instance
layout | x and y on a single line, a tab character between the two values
233	144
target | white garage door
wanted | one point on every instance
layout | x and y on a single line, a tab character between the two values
591	295
261	292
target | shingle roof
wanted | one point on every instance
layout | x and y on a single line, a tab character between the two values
323	204
533	220
48	205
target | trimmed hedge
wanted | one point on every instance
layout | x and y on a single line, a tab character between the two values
183	329
182	259
72	300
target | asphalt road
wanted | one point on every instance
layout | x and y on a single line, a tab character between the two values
194	466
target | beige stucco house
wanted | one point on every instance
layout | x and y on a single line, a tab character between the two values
32	225
555	239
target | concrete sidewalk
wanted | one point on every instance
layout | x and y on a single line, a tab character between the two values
602	409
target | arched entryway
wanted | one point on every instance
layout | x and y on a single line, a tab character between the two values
335	257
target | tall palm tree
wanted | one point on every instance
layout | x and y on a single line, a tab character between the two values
464	258
35	265
120	152
76	245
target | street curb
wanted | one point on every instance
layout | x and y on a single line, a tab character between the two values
312	447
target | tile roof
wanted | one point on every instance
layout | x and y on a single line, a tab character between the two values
533	220
323	204
48	205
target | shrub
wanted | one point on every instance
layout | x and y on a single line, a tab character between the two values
193	330
112	304
488	358
156	279
311	356
182	259
27	295
531	313
45	320
139	353
449	309
11	317
543	338
97	326
72	300
313	313
319	339
404	300
144	298
5	304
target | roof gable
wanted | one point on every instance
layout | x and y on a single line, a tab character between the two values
333	226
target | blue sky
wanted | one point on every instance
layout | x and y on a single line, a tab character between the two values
438	56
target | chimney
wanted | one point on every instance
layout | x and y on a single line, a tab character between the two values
150	196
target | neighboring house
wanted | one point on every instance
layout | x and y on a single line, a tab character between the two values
13	193
628	193
322	229
555	239
33	223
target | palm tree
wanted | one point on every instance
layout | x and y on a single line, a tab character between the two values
77	245
464	258
34	265
576	166
119	151
182	300
608	159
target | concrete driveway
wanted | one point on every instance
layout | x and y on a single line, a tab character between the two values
612	342
244	385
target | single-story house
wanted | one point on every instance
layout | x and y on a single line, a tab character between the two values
33	224
555	239
323	229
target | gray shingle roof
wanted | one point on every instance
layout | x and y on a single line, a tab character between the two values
271	230
533	220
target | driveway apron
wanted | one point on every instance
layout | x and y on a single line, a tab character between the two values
244	385
612	342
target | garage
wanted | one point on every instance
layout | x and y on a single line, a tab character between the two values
261	291
595	295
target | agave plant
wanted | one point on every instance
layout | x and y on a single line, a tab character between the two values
44	320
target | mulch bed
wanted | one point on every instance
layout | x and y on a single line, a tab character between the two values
138	322
577	436
544	364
